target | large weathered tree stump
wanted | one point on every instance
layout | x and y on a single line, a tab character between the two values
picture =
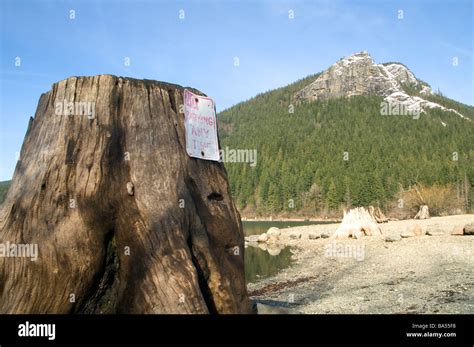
125	221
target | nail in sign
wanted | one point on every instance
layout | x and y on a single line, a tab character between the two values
201	128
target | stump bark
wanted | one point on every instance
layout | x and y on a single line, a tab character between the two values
125	221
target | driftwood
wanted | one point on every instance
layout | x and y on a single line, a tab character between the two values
357	223
124	220
377	214
423	212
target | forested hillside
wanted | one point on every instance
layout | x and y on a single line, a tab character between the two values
342	152
3	190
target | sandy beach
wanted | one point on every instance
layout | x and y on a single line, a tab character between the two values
421	274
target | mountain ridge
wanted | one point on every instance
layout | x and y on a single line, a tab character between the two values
300	146
358	74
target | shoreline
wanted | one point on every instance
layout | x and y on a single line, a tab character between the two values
269	219
422	274
327	219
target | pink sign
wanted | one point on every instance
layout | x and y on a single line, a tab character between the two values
201	127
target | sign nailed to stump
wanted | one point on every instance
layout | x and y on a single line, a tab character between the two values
201	127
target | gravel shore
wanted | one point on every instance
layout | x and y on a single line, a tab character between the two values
420	274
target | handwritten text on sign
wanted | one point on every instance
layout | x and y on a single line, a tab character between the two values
201	128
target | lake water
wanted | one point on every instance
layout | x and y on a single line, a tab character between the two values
260	263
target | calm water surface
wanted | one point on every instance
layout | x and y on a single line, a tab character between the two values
260	263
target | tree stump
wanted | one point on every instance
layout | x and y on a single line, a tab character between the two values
124	220
357	223
423	212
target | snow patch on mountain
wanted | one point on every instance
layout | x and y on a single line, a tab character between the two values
426	90
401	74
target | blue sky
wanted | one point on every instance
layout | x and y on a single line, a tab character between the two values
199	50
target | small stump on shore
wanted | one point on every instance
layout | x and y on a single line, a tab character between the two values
356	223
423	213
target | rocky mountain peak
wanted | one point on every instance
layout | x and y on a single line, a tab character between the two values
358	74
358	57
